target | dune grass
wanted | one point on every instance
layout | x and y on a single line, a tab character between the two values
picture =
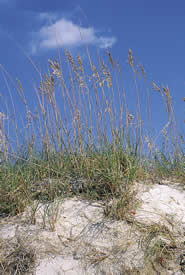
82	139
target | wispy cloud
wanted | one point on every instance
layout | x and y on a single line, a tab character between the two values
45	16
67	34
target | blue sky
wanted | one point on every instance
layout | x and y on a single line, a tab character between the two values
154	30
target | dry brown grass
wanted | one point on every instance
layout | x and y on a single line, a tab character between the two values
15	258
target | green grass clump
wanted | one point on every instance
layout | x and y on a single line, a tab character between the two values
84	137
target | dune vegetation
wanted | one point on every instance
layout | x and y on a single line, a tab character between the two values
83	135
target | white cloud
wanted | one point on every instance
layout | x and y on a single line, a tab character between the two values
67	34
106	42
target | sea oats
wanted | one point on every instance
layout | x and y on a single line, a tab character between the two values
56	68
2	116
118	66
96	72
111	59
156	88
72	62
81	64
131	59
48	86
143	71
107	74
167	93
130	118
